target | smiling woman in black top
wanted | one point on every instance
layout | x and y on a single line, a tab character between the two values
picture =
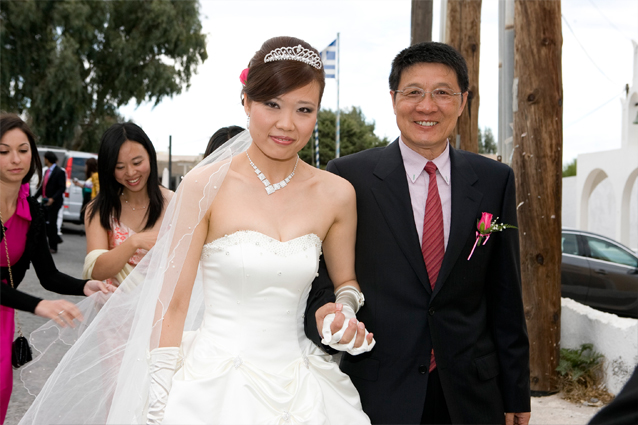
23	242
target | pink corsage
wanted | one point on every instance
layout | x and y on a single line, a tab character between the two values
244	76
484	229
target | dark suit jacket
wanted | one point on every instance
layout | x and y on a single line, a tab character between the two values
56	185
474	317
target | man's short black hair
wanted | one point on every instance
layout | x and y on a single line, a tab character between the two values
429	52
53	158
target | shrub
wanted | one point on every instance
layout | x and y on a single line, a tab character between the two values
581	375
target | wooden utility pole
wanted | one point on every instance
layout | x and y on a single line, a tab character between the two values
463	31
421	21
537	163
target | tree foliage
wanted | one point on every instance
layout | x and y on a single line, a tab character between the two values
70	64
355	135
569	170
486	143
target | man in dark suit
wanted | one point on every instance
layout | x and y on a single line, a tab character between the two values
451	340
52	191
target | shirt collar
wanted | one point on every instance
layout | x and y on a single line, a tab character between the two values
414	163
22	208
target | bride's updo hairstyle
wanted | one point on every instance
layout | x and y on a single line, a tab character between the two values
267	80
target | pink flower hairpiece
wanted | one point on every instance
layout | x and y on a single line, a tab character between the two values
484	228
244	76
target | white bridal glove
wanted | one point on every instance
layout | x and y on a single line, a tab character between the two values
352	300
163	363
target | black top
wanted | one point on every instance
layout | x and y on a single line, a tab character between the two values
36	251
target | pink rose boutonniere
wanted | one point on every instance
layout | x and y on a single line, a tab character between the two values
484	229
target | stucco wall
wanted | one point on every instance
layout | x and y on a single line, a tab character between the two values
569	202
614	337
602	210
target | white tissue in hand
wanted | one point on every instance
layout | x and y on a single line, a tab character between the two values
328	337
333	340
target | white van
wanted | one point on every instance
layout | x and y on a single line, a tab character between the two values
74	165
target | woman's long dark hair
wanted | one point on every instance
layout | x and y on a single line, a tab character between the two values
91	167
107	201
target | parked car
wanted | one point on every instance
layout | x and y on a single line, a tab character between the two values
599	272
74	163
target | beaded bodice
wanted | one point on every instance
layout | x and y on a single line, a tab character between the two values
255	293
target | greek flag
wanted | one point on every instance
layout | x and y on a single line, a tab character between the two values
329	59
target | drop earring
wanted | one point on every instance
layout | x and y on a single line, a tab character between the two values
247	122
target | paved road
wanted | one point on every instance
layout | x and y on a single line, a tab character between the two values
69	259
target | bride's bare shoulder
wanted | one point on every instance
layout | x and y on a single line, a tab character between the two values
333	186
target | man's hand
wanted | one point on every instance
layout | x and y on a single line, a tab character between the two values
520	418
355	329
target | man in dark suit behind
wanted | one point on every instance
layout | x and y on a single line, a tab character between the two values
52	191
451	340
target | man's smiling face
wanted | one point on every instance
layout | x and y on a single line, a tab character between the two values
426	124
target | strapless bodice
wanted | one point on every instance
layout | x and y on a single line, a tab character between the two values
255	293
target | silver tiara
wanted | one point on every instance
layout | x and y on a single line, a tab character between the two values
298	53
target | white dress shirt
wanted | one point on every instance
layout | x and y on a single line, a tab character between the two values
418	181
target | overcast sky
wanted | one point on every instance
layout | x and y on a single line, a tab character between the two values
597	63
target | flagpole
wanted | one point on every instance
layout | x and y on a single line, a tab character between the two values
317	142
337	138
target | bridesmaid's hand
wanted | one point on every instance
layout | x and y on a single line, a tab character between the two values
93	286
61	312
145	240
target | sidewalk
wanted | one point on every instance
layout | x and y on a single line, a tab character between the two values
553	410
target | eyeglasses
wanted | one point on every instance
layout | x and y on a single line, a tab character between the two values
441	96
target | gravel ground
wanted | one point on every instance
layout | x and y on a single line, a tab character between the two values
554	410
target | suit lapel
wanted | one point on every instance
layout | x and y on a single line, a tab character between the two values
393	197
465	204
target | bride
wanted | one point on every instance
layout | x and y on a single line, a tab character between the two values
222	294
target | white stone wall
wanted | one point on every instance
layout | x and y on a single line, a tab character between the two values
569	202
614	337
602	210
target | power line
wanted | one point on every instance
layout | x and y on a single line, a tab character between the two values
591	112
608	20
583	47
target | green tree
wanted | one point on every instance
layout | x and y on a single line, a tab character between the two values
70	64
569	170
486	141
355	135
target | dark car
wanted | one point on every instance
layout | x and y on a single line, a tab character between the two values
599	272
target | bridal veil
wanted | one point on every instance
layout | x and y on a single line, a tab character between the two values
97	373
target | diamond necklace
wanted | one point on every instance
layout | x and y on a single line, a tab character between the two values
272	188
138	208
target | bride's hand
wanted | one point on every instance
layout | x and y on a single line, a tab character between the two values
342	331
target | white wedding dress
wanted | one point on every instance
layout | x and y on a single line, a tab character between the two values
250	361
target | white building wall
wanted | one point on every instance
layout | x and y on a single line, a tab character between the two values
601	210
569	202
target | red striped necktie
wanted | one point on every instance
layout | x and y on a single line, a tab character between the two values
433	244
46	180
